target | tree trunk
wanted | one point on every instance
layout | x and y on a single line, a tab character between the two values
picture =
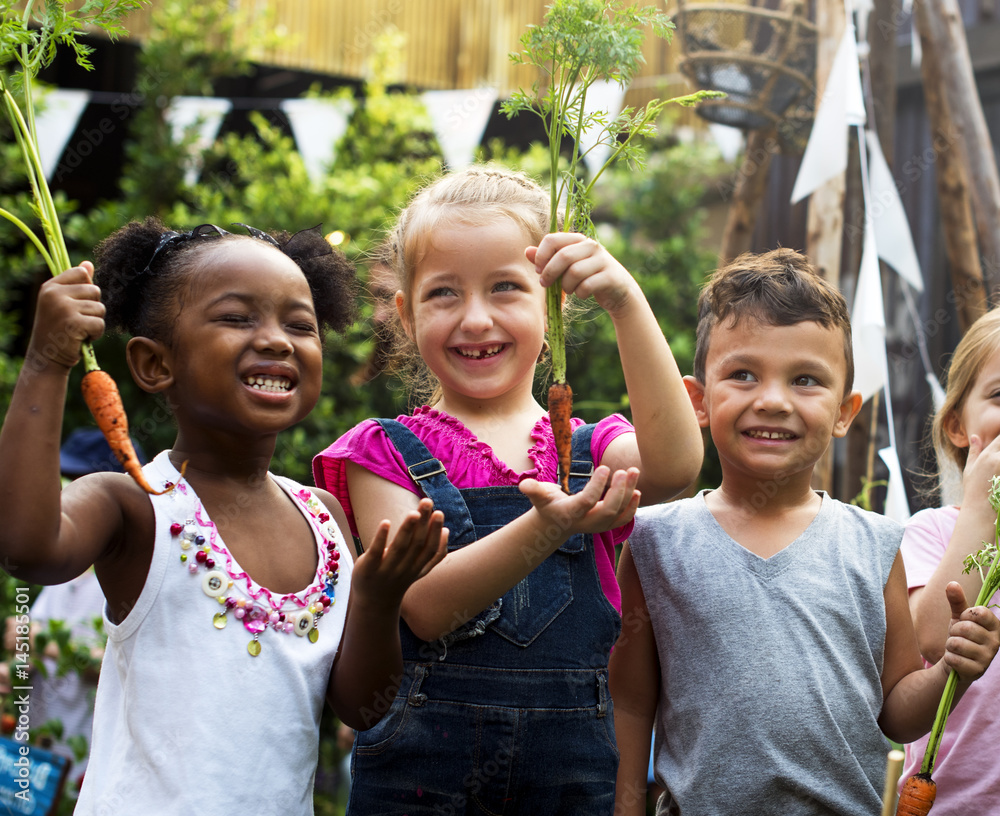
942	32
952	180
748	193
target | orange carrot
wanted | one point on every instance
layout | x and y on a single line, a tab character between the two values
917	796
560	410
101	395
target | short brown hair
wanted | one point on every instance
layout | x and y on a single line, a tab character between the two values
776	288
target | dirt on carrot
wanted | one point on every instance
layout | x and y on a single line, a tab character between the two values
101	395
916	796
560	411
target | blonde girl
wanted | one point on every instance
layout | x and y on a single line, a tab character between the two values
966	435
504	702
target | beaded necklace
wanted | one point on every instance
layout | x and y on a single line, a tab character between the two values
203	553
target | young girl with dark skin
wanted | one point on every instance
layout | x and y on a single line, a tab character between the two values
227	329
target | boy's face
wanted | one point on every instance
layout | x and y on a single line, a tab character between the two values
773	396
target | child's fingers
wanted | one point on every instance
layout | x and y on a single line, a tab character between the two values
549	247
415	535
956	599
973	637
970	656
436	543
576	258
378	543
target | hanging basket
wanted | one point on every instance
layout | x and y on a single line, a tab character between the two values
762	58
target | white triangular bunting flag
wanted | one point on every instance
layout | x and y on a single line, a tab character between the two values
202	112
318	125
607	96
58	112
868	325
842	104
459	118
892	230
897	507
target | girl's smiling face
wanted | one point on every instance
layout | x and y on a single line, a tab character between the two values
246	349
477	311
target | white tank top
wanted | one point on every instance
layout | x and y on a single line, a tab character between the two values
187	719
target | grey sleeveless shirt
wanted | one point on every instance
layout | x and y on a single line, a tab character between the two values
770	668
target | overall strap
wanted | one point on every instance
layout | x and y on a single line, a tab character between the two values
429	475
582	465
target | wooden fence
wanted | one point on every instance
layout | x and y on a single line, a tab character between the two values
448	43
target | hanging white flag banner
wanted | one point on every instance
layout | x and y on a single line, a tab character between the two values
58	111
842	105
871	365
888	218
204	113
864	9
896	505
318	125
605	96
459	118
916	47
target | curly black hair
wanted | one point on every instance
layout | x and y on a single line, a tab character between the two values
141	301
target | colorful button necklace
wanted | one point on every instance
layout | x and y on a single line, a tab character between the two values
202	552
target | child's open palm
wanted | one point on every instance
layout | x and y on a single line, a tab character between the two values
592	510
387	568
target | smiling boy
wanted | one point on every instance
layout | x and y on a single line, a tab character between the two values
765	624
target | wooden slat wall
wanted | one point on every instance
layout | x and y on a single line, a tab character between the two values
449	43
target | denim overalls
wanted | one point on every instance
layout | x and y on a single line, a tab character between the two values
509	713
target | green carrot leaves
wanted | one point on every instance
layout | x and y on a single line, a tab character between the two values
580	43
29	37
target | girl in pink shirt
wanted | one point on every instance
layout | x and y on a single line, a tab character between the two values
936	541
504	693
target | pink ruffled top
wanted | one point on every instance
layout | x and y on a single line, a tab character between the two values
469	463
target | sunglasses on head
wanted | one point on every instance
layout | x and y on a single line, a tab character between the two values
171	239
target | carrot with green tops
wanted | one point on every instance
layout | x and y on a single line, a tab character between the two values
29	38
917	796
101	395
580	43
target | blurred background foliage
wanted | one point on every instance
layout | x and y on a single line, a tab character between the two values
649	219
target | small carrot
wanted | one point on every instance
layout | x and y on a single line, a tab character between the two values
917	796
560	410
101	395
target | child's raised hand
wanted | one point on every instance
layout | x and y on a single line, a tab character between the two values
973	636
982	464
587	269
387	568
592	510
69	311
